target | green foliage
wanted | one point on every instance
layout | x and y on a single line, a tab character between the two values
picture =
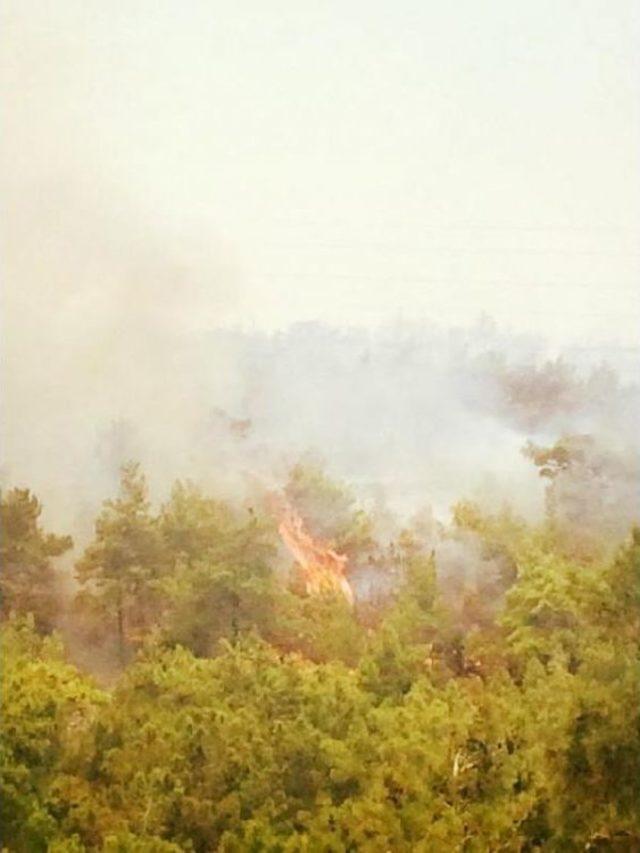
322	628
502	534
47	711
220	581
624	579
219	741
256	719
195	526
121	569
28	581
330	509
400	650
549	613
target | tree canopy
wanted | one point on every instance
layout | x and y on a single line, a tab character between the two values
246	715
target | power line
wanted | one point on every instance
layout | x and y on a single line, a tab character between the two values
451	250
461	280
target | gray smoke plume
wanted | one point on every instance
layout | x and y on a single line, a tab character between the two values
411	415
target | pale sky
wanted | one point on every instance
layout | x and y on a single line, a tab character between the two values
260	163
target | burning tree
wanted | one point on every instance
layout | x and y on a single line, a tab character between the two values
322	568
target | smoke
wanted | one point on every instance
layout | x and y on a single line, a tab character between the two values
101	343
118	345
126	162
471	584
122	351
410	415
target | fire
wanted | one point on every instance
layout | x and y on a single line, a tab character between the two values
322	568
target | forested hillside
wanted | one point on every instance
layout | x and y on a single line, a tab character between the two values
188	691
320	458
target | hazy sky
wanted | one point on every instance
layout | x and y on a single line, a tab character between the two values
267	162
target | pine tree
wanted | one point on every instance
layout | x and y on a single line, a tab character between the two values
28	579
121	569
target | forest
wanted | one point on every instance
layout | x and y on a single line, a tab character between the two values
320	457
297	671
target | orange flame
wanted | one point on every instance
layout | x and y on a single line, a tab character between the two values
322	568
